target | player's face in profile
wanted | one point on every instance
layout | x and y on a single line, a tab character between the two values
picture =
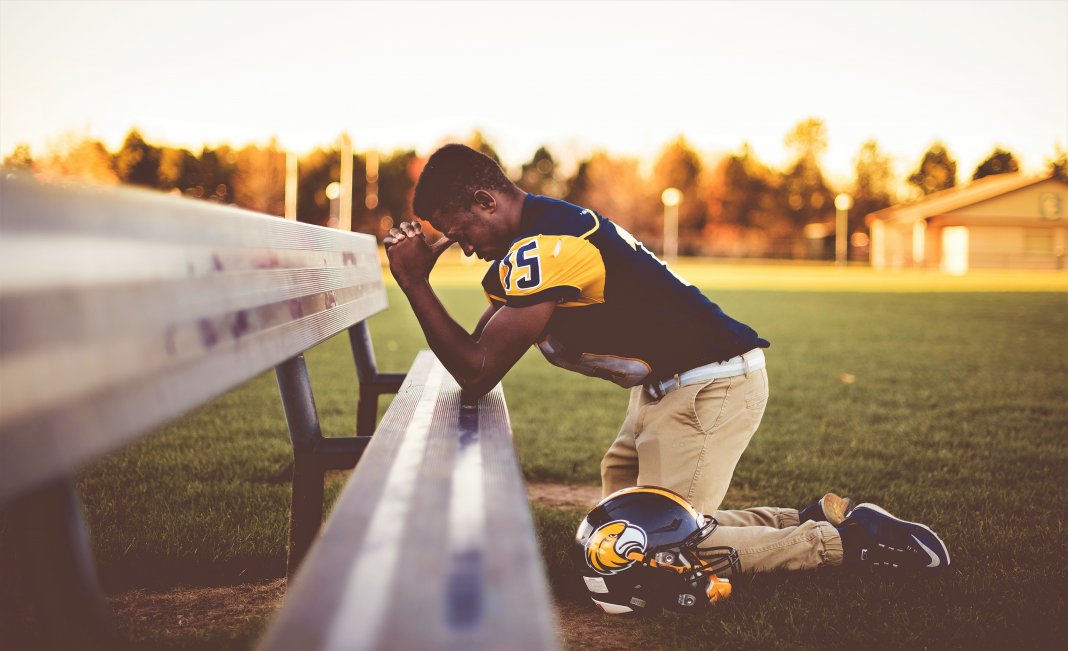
475	230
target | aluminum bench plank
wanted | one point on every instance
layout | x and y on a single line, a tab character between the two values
430	545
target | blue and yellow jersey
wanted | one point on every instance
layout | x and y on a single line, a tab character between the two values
621	313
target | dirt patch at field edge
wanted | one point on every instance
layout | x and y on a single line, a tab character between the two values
174	612
564	495
183	609
583	626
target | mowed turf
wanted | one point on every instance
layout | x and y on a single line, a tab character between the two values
946	408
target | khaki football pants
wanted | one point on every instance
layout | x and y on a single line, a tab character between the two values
770	539
690	441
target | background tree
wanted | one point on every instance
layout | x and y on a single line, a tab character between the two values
137	162
259	178
937	171
396	184
1000	161
1058	165
315	170
808	139
808	199
748	195
746	211
79	158
538	175
577	187
679	166
615	188
873	185
20	158
215	174
478	141
364	219
178	169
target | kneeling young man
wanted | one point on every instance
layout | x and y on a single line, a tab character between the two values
595	301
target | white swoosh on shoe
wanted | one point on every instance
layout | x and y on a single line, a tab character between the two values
935	561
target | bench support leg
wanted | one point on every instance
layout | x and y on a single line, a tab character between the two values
313	454
58	569
306	511
372	383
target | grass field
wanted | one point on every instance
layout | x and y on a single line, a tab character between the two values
956	415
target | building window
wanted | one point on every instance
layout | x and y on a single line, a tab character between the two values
955	250
1038	241
1049	206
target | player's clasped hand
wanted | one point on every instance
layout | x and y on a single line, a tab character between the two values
411	257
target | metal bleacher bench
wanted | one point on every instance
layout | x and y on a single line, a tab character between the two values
121	309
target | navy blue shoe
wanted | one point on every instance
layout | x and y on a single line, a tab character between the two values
871	536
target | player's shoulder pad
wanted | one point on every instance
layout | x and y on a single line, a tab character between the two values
539	263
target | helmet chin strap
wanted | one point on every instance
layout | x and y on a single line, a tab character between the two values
652	562
717	589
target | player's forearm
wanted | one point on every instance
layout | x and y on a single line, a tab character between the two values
457	350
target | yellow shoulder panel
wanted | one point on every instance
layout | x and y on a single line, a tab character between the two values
538	263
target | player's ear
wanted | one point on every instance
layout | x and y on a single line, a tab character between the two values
485	200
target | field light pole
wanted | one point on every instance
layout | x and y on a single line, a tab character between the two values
842	203
671	198
291	185
333	193
344	208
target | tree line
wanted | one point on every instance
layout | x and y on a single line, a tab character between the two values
735	206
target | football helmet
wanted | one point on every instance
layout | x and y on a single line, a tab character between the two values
640	553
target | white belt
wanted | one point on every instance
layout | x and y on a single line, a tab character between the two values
743	364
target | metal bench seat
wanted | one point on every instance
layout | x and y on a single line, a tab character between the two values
429	545
122	309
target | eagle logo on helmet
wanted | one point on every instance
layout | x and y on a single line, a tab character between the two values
609	548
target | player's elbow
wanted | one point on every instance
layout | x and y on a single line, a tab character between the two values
474	387
491	369
470	393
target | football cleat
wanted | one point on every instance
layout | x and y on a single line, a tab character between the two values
871	536
829	508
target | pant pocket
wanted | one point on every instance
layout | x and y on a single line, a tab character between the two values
756	396
708	403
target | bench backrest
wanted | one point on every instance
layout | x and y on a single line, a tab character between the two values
121	309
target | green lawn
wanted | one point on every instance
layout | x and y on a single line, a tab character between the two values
957	417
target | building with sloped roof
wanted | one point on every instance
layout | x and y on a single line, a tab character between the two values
1006	221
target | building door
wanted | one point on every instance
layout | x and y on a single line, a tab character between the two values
955	250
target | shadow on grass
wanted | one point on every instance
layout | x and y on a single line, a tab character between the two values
163	573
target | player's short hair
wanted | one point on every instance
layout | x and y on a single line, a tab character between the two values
451	177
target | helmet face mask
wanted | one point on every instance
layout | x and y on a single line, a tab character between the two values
641	552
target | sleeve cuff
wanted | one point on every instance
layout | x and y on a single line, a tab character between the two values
557	294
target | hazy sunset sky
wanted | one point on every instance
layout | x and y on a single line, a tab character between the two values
626	77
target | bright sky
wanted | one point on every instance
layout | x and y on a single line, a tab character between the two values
626	77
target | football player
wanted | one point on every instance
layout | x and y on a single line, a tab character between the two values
596	301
